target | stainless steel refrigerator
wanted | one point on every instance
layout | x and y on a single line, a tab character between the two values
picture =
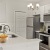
33	25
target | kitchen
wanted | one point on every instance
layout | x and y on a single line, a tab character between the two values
15	14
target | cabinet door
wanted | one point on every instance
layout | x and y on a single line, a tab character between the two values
42	48
47	8
41	13
37	35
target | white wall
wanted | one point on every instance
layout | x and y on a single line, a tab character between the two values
2	11
44	2
11	7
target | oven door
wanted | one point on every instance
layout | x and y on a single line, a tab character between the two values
44	39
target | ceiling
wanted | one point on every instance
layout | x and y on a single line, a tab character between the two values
28	0
34	0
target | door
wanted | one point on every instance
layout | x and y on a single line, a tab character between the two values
20	23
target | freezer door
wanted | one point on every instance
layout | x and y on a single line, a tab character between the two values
36	23
29	21
29	34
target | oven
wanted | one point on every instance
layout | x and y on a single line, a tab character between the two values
44	39
45	43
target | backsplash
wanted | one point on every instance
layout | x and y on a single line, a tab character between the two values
47	24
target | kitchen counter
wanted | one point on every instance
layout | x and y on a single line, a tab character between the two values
38	31
43	33
48	35
20	43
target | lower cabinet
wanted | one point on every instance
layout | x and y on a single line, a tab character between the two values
43	47
37	35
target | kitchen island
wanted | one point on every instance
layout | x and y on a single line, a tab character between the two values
20	43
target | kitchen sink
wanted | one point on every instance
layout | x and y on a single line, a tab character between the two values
12	36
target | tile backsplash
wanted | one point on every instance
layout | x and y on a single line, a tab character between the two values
47	24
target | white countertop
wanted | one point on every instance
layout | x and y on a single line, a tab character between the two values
20	43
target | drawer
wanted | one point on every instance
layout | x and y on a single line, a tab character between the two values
44	46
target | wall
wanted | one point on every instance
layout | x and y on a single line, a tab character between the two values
2	11
7	12
11	7
44	2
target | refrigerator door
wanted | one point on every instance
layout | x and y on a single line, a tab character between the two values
29	34
29	21
36	22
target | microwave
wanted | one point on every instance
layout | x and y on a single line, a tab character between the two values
49	29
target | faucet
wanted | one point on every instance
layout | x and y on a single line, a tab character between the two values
4	28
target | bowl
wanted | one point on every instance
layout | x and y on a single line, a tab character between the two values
3	38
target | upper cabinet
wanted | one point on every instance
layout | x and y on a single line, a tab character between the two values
41	14
47	9
43	10
47	13
39	11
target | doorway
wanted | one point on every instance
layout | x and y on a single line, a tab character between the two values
20	23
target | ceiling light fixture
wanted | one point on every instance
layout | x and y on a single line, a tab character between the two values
37	5
31	6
